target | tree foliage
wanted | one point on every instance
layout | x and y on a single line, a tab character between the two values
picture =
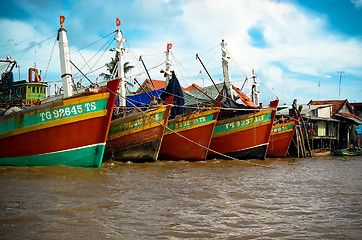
110	67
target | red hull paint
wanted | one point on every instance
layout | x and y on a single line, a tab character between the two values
63	137
175	147
279	143
48	140
242	140
244	144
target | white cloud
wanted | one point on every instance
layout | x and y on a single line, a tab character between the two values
295	39
298	43
357	3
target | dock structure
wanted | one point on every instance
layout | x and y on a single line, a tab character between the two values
328	124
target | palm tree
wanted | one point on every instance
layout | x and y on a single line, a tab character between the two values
110	67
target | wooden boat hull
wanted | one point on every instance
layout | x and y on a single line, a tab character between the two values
243	137
280	138
196	130
70	132
138	137
348	152
323	152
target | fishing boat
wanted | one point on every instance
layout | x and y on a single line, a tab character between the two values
353	151
243	130
71	130
281	137
135	135
21	93
244	136
187	136
321	152
138	136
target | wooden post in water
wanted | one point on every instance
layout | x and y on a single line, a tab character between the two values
300	138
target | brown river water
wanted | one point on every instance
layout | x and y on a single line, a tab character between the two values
317	198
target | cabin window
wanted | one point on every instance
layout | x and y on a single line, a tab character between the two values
29	90
33	89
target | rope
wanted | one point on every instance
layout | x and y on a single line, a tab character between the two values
94	42
209	149
50	58
105	50
27	48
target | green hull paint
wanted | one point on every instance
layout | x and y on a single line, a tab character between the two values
175	125
137	123
49	115
90	156
282	129
242	123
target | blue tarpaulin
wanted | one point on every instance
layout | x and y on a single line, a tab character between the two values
359	129
174	88
141	100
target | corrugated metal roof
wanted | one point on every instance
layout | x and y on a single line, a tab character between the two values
196	97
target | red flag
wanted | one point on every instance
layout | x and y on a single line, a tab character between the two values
62	19
253	71
118	22
245	99
169	46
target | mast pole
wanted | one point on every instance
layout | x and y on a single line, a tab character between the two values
65	65
168	64
144	65
254	90
197	57
225	67
119	61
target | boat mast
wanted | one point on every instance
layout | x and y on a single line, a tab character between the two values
65	65
120	61
168	73
254	90
225	67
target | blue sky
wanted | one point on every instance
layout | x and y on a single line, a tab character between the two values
296	47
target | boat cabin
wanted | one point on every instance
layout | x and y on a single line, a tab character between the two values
336	121
22	93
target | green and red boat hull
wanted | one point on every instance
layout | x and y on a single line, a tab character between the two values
138	137
196	130
70	131
281	137
243	137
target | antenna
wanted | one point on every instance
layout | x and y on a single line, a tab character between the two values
341	75
319	85
36	46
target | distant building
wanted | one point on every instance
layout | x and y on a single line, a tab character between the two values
357	108
332	124
147	86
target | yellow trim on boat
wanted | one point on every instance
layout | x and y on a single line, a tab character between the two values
220	134
204	113
189	128
136	130
288	130
83	99
54	123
